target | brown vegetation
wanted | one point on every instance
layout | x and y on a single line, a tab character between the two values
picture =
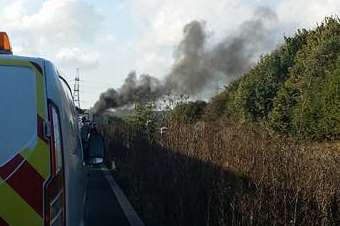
207	170
218	174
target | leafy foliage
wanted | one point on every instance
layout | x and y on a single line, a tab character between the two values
189	112
257	89
295	89
308	103
143	119
220	106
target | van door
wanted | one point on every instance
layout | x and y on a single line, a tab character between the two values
24	148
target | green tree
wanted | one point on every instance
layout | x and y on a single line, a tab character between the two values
143	120
189	112
304	106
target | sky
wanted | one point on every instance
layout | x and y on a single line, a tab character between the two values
106	39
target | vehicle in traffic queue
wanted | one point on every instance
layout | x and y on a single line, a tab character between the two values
42	175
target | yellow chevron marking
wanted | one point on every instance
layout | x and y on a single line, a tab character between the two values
39	158
40	93
12	62
14	210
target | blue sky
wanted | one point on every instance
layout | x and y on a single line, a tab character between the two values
107	39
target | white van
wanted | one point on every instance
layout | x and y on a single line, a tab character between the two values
42	177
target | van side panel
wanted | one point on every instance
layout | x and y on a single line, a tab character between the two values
23	174
75	172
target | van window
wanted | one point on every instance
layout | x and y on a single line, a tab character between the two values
57	139
18	111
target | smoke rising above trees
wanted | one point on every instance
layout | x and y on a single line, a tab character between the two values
197	65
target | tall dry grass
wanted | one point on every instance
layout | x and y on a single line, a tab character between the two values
218	174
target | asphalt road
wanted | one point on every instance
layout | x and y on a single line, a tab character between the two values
102	206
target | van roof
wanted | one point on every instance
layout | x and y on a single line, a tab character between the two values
23	58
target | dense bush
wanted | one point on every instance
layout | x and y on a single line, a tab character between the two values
189	112
308	103
143	118
219	106
252	100
295	89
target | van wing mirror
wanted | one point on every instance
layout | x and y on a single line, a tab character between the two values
96	150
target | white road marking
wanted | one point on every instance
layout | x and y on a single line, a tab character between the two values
128	210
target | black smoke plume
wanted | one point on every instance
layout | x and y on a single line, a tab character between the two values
144	89
197	65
